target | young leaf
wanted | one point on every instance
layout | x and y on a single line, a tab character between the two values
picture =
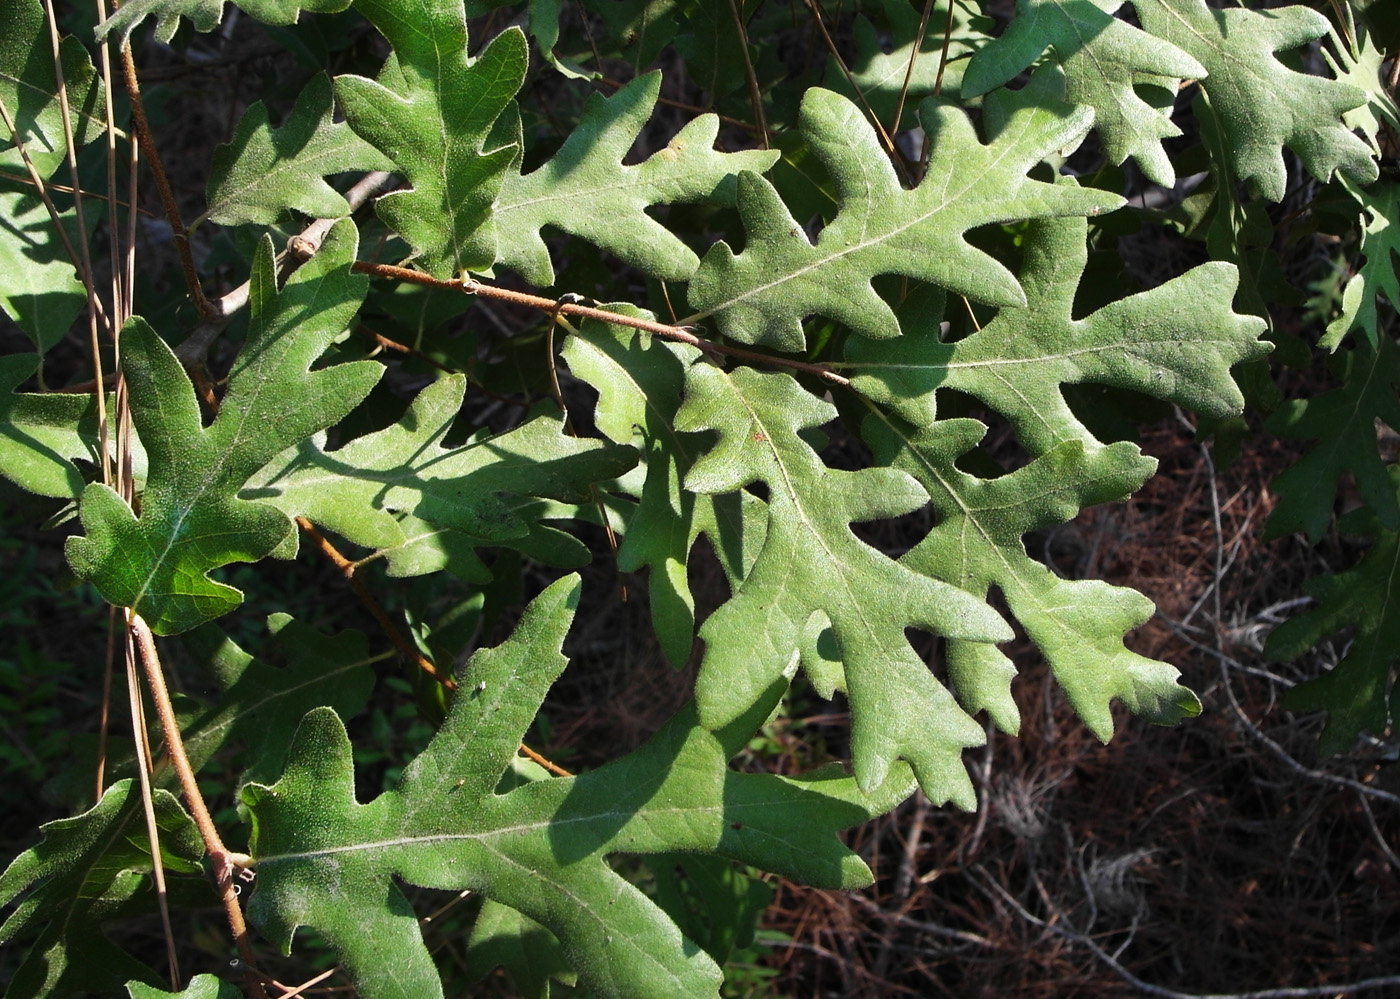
1176	342
1356	692
265	171
587	192
29	88
40	433
356	490
1380	240
328	862
1362	66
1263	105
91	869
640	381
763	294
191	518
1344	422
431	112
976	544
1103	59
811	563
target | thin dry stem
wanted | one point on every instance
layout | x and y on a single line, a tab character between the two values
223	859
914	57
143	769
167	195
755	95
678	334
391	631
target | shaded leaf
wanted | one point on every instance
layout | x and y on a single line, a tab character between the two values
205	15
1262	104
29	87
762	295
431	112
357	489
87	870
41	433
584	190
811	563
640	381
1343	421
327	862
39	288
1356	693
258	705
1380	241
1103	59
191	518
265	171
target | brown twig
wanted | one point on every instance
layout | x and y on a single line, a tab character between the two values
300	248
549	765
223	859
755	96
143	770
391	631
147	143
914	57
677	334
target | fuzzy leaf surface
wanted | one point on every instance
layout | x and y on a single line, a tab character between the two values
200	987
29	87
191	517
431	112
1356	693
265	171
328	862
87	870
39	288
1262	104
1103	58
640	382
40	433
762	294
1344	423
977	544
357	490
880	74
586	191
811	564
1176	342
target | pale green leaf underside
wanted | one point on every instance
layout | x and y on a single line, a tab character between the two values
1103	58
1262	104
640	382
1176	342
1380	242
811	563
763	294
205	15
